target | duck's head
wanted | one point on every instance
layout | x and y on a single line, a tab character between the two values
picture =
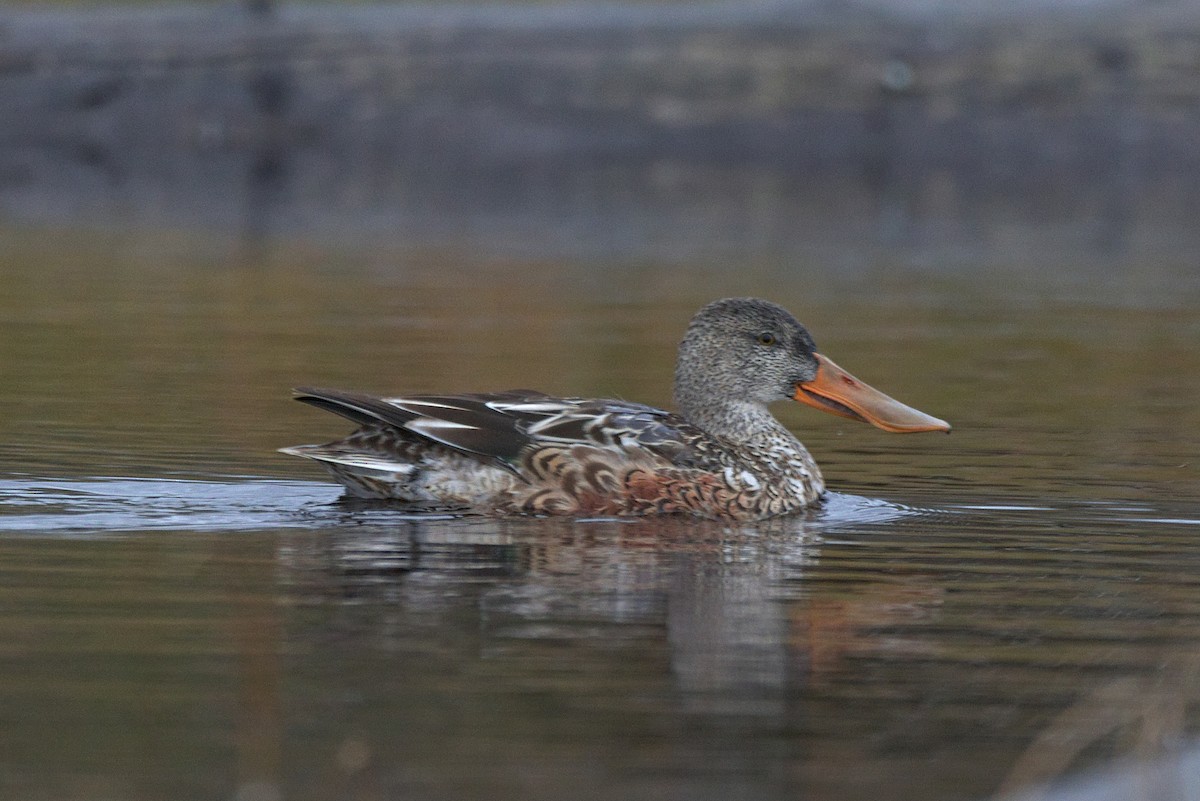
740	351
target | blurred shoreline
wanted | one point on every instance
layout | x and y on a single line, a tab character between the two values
790	84
947	133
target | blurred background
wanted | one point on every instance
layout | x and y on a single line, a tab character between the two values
944	138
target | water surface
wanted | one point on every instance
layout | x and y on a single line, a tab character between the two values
185	613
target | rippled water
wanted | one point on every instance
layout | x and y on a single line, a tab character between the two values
185	613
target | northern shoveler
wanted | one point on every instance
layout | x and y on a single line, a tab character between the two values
723	455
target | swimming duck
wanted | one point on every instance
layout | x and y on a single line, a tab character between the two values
722	455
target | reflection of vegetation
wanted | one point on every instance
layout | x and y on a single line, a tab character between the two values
827	630
1148	715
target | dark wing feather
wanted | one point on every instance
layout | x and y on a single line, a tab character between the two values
463	422
361	409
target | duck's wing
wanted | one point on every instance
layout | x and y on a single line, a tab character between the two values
632	430
506	427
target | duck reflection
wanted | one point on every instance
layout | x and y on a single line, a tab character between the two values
726	607
498	646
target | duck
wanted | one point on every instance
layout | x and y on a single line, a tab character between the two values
722	455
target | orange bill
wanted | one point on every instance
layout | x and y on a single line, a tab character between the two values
837	392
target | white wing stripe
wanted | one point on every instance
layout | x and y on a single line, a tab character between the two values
426	424
403	402
535	408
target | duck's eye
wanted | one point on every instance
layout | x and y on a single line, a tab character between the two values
766	338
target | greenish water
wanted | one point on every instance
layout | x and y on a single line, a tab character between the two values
186	614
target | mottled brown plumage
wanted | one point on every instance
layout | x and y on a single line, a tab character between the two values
523	452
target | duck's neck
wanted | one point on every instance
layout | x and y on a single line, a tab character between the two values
737	421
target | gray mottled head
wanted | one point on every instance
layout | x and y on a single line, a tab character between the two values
740	352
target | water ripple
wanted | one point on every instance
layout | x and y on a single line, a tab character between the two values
103	505
100	505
